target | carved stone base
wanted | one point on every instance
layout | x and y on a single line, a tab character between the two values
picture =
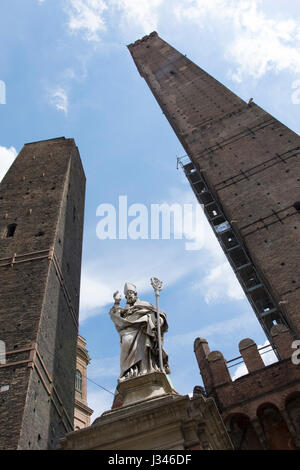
164	422
144	387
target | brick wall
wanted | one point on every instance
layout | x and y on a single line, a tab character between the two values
43	193
243	401
250	162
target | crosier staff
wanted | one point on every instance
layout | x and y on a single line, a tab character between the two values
157	286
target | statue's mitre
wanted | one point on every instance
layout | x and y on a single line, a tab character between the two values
128	286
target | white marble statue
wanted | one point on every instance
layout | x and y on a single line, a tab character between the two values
137	327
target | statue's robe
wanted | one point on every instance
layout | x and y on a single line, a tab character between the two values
138	336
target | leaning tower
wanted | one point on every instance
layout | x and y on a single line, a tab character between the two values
243	165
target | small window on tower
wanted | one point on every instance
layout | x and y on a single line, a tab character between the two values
10	231
78	381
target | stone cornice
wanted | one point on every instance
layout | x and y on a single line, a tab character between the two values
82	406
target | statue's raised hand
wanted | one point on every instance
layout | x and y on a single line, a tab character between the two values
117	298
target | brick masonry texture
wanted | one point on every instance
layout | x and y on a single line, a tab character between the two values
250	163
245	402
43	193
249	159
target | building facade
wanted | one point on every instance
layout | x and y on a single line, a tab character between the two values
243	166
261	409
82	413
41	225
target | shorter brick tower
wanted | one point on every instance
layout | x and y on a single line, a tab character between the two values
82	413
41	226
261	409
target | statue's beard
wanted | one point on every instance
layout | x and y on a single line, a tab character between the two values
131	301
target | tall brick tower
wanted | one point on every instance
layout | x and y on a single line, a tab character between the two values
41	225
243	166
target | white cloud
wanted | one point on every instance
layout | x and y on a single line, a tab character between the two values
142	13
7	156
59	99
223	328
256	41
220	283
136	264
86	17
78	72
164	259
264	44
94	293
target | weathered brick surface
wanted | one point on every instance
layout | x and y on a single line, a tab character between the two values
249	159
276	385
250	354
43	193
248	392
250	163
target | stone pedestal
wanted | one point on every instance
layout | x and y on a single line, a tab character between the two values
153	417
144	388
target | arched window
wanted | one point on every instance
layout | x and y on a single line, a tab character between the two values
78	381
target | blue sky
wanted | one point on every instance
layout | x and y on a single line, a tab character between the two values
67	72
